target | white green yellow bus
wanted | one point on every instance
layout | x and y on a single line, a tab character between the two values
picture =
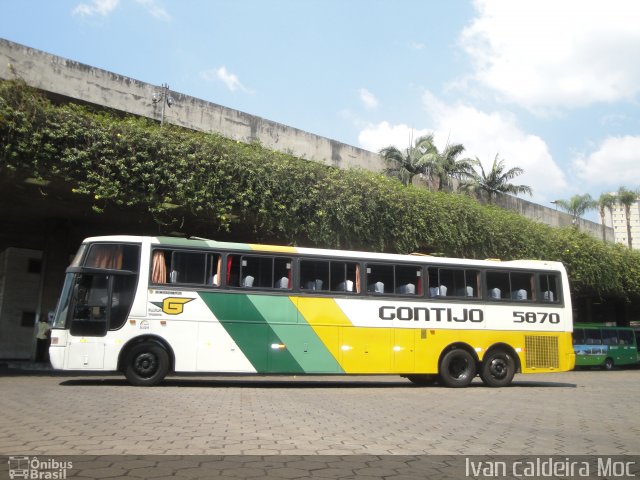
148	306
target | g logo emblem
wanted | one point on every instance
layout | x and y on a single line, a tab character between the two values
174	306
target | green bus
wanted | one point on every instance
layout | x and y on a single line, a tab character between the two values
605	346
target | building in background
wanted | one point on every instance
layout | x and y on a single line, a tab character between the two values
618	222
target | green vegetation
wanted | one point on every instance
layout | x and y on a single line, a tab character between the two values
422	159
174	175
606	201
577	205
494	182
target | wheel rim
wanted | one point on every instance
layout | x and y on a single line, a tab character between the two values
145	364
498	368
459	368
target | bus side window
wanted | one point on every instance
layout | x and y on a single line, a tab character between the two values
255	271
314	275
625	337
233	270
498	286
214	271
282	273
578	336
185	267
609	336
113	256
188	267
433	283
549	288
592	336
472	283
344	277
379	278
522	286
159	267
408	280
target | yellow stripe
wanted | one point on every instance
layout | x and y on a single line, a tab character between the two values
325	317
272	248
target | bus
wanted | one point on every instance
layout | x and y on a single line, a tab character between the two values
598	345
150	306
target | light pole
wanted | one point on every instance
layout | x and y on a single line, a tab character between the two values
165	97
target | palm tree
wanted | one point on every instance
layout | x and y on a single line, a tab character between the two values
417	160
446	166
494	182
577	205
606	202
627	198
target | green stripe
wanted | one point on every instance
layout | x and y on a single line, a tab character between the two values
193	243
300	339
257	322
251	331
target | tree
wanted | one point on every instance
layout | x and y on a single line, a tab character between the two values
606	202
446	166
417	160
494	182
577	205
627	198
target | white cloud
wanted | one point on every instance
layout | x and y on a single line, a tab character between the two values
97	7
484	135
613	164
544	54
155	10
105	7
376	137
231	80
368	99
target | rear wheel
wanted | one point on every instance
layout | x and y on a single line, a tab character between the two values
498	369
146	365
457	368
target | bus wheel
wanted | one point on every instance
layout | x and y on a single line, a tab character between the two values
457	368
608	364
147	364
498	369
422	379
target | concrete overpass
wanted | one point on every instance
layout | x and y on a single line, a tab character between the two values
41	232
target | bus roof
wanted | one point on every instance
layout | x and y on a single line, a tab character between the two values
198	243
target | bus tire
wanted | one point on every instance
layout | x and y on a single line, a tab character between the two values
498	368
422	379
457	368
146	365
608	364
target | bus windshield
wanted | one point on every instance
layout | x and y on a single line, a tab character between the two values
99	288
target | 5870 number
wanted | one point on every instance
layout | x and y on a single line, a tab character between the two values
535	317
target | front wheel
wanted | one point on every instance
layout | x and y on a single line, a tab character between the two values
146	365
498	369
457	368
608	364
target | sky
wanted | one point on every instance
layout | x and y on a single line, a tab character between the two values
552	87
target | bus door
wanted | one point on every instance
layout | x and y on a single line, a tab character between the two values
100	302
621	345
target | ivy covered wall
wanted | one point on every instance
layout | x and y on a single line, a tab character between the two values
175	175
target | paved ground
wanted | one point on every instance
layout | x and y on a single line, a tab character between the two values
575	413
